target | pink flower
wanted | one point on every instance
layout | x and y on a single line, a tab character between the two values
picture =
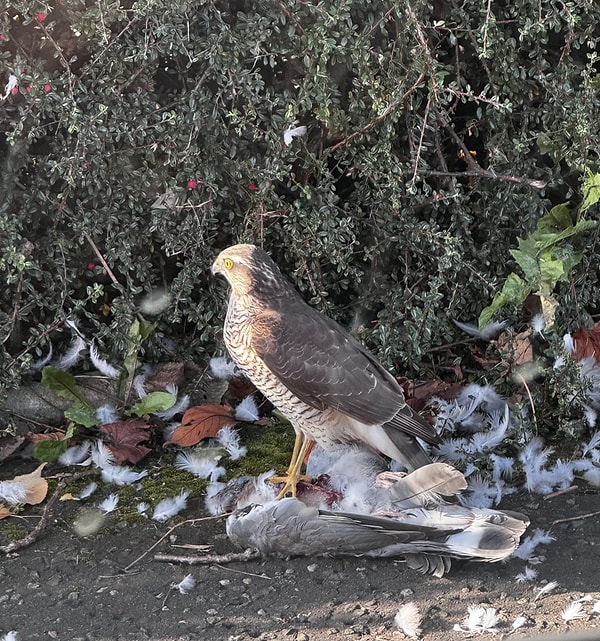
192	183
41	16
47	87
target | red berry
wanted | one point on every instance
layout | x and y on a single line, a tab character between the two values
14	91
252	186
41	16
47	87
192	183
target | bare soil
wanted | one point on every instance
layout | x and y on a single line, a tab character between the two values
66	587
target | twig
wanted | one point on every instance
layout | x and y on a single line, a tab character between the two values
379	118
167	533
576	518
101	259
484	173
209	559
573	488
33	535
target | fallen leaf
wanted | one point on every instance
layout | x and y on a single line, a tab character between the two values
69	497
516	349
201	421
36	486
587	343
170	374
129	439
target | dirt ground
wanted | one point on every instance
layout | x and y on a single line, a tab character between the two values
67	587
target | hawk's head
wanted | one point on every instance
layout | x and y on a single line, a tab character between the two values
250	270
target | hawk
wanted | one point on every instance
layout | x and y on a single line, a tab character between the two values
328	385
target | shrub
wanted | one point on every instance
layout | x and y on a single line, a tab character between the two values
145	136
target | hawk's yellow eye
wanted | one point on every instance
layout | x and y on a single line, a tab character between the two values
228	263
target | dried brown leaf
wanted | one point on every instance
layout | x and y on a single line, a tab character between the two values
129	439
4	511
201	421
36	486
587	343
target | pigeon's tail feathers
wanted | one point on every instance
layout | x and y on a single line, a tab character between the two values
425	485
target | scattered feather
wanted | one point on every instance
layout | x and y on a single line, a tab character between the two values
76	454
549	587
538	324
408	619
10	636
528	544
109	504
88	490
104	367
592	444
186	584
519	622
503	466
480	493
479	619
121	475
230	440
247	410
591	416
42	362
293	132
573	612
220	367
101	455
179	407
139	385
107	414
201	463
142	508
71	356
596	608
170	507
13	82
528	574
568	344
490	331
13	492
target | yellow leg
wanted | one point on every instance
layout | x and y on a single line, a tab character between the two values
292	476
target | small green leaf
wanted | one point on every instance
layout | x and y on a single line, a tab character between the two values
82	415
49	451
591	191
557	219
515	291
63	384
153	402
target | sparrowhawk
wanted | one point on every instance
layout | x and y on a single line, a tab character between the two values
328	385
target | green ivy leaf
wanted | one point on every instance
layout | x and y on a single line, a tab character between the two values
591	191
515	291
153	402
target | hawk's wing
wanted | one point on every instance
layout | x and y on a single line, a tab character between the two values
324	366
